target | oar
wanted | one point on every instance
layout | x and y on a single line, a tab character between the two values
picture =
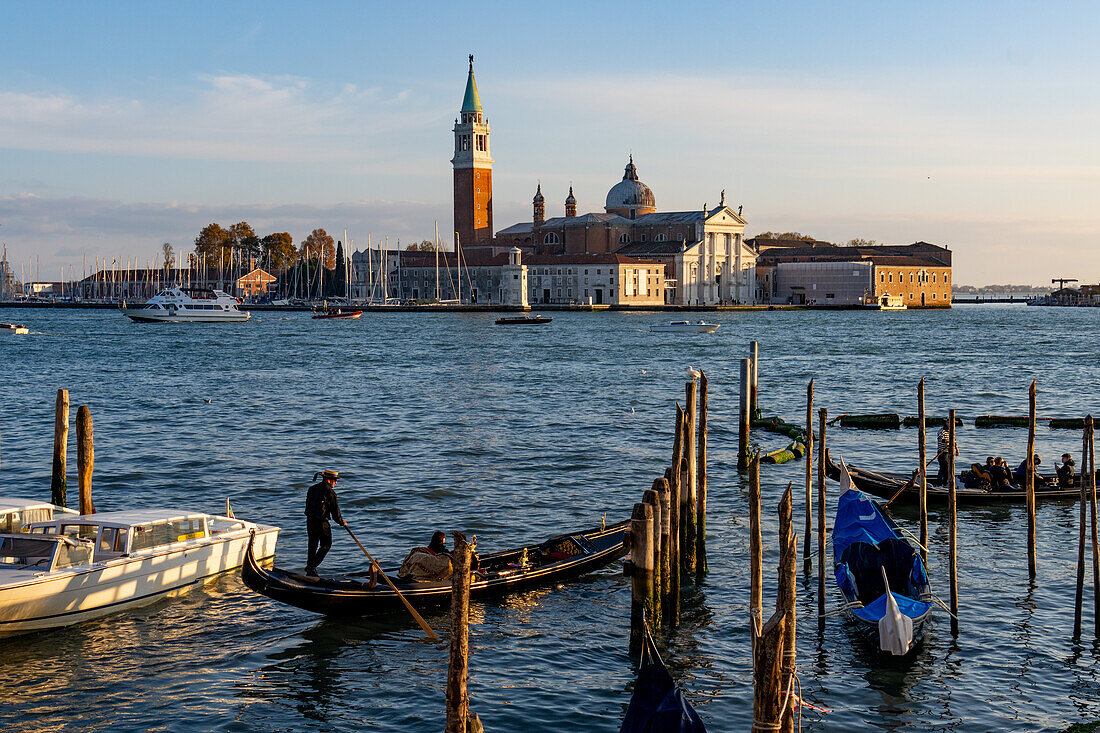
415	615
909	483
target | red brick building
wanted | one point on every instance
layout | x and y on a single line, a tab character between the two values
473	170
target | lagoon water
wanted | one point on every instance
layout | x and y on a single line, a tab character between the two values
513	434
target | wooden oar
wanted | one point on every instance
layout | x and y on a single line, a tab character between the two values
419	619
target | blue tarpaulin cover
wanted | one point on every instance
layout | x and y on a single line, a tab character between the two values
657	705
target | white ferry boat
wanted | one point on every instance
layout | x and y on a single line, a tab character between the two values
884	302
685	327
76	568
188	305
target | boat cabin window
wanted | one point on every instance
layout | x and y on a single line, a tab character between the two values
165	533
26	552
217	525
112	540
80	531
13	522
70	556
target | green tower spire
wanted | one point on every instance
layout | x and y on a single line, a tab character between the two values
471	102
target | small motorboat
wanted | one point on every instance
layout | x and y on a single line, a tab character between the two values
16	328
188	305
902	489
75	568
337	313
685	327
881	576
551	562
884	302
535	320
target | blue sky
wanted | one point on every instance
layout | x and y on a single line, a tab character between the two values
123	125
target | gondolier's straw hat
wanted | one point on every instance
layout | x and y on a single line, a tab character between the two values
331	474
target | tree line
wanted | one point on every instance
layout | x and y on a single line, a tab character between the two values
221	247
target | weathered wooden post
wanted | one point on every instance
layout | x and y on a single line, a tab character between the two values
651	498
641	574
1079	595
756	550
664	570
460	719
754	405
743	419
769	650
58	482
674	477
688	491
806	549
1095	542
787	543
85	458
701	485
953	533
822	418
1031	561
922	470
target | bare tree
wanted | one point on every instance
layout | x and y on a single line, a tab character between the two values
169	255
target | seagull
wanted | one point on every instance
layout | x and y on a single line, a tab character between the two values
631	410
643	371
207	400
693	372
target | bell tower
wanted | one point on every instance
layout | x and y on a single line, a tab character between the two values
473	170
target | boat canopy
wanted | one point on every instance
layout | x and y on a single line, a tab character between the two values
130	518
858	520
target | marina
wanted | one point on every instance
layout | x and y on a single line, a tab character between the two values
413	469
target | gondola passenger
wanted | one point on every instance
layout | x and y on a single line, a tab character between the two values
1066	473
1021	472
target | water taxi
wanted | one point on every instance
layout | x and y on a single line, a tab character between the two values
685	327
535	320
884	302
77	568
188	305
17	513
16	328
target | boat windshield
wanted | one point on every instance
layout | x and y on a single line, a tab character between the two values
26	552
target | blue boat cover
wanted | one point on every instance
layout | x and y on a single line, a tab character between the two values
858	520
877	608
657	705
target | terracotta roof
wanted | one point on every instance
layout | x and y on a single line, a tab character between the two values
585	259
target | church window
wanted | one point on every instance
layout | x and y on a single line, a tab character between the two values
624	238
551	238
933	277
660	238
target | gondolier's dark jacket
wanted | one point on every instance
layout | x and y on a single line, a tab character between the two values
321	503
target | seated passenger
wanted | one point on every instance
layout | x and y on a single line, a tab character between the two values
1021	472
427	563
1004	473
1066	472
438	545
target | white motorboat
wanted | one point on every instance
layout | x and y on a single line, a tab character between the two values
16	328
16	513
685	327
885	302
76	568
188	305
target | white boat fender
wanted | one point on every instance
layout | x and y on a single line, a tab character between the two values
895	629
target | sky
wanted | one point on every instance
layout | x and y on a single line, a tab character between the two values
125	125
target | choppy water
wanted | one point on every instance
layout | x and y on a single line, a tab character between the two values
446	421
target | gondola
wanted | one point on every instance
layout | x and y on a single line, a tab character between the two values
887	485
881	576
657	705
557	559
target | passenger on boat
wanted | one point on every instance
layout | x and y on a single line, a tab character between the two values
1066	473
1021	472
321	505
438	545
944	446
1003	473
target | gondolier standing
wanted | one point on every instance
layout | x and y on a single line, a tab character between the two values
944	446
321	504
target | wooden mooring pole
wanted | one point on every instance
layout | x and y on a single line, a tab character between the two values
922	471
701	488
58	482
1031	560
754	405
460	719
1095	542
672	613
743	418
786	601
806	549
641	574
756	551
85	458
953	532
822	418
653	499
1078	597
688	491
772	705
664	570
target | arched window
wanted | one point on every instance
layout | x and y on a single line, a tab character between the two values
550	238
624	238
660	238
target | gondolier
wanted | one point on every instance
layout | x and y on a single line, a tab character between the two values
321	505
944	446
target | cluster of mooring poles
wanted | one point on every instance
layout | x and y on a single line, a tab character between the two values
667	537
85	454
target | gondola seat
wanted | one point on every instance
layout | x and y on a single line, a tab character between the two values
865	563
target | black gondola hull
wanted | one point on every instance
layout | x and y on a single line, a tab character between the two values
350	597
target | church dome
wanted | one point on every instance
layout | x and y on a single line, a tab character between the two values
630	196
